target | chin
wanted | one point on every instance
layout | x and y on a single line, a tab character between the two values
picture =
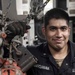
58	48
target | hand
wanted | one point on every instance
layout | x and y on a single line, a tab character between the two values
16	28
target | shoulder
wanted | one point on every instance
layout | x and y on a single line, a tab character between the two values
37	48
71	44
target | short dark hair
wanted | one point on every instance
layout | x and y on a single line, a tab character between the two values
56	13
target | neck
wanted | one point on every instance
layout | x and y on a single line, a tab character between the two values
59	54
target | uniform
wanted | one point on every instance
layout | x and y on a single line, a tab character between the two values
46	64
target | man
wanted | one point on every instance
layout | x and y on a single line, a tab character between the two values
56	57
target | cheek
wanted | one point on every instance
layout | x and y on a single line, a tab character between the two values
67	34
49	35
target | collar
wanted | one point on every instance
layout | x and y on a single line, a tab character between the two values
45	50
71	46
72	51
46	54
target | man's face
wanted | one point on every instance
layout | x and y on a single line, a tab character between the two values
57	33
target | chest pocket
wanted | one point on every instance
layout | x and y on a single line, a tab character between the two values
71	71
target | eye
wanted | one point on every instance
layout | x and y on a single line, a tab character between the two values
64	28
52	28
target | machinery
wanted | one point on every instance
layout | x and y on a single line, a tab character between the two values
35	10
23	58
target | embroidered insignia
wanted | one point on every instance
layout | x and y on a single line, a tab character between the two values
42	67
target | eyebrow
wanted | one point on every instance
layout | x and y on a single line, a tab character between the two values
57	27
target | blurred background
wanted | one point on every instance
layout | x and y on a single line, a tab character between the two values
18	10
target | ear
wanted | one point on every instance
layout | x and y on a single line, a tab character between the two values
43	30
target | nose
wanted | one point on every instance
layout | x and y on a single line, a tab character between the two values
58	33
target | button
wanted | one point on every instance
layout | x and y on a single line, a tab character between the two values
44	53
66	64
73	70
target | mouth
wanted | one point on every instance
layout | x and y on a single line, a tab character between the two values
58	41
